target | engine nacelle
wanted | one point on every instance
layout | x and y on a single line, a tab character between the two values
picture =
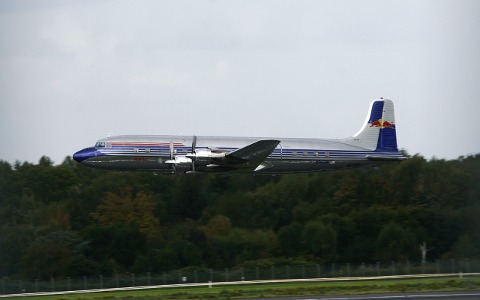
180	160
204	156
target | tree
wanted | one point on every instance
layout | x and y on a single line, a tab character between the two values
140	222
188	198
289	239
218	225
47	182
115	247
424	250
408	182
137	210
320	240
393	243
464	247
14	239
344	227
56	253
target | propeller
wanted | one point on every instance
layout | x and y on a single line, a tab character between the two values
182	161
194	144
171	155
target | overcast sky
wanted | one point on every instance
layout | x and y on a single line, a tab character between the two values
72	72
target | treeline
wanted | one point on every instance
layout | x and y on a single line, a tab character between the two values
70	220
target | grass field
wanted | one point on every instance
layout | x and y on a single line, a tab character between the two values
280	289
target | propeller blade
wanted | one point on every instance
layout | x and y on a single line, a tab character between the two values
194	144
171	157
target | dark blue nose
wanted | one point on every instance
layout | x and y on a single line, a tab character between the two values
85	154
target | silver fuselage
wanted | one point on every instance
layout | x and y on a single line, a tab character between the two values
292	155
374	144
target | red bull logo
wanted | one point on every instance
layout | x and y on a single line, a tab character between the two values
382	124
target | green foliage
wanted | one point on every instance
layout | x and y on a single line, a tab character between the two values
290	239
69	220
393	243
320	240
114	247
53	254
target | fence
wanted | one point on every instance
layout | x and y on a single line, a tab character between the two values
202	275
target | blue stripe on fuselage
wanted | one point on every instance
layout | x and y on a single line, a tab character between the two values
277	153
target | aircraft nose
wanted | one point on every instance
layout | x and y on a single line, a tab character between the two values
84	154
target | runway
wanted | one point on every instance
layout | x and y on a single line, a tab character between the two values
461	295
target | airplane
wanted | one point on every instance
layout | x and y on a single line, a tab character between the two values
374	144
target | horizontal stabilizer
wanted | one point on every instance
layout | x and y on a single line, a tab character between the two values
254	152
386	158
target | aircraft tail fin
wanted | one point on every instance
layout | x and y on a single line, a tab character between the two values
378	133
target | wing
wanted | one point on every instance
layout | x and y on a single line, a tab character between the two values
247	158
256	151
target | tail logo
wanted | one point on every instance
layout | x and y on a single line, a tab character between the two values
381	123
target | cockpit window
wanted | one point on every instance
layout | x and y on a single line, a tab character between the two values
100	144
